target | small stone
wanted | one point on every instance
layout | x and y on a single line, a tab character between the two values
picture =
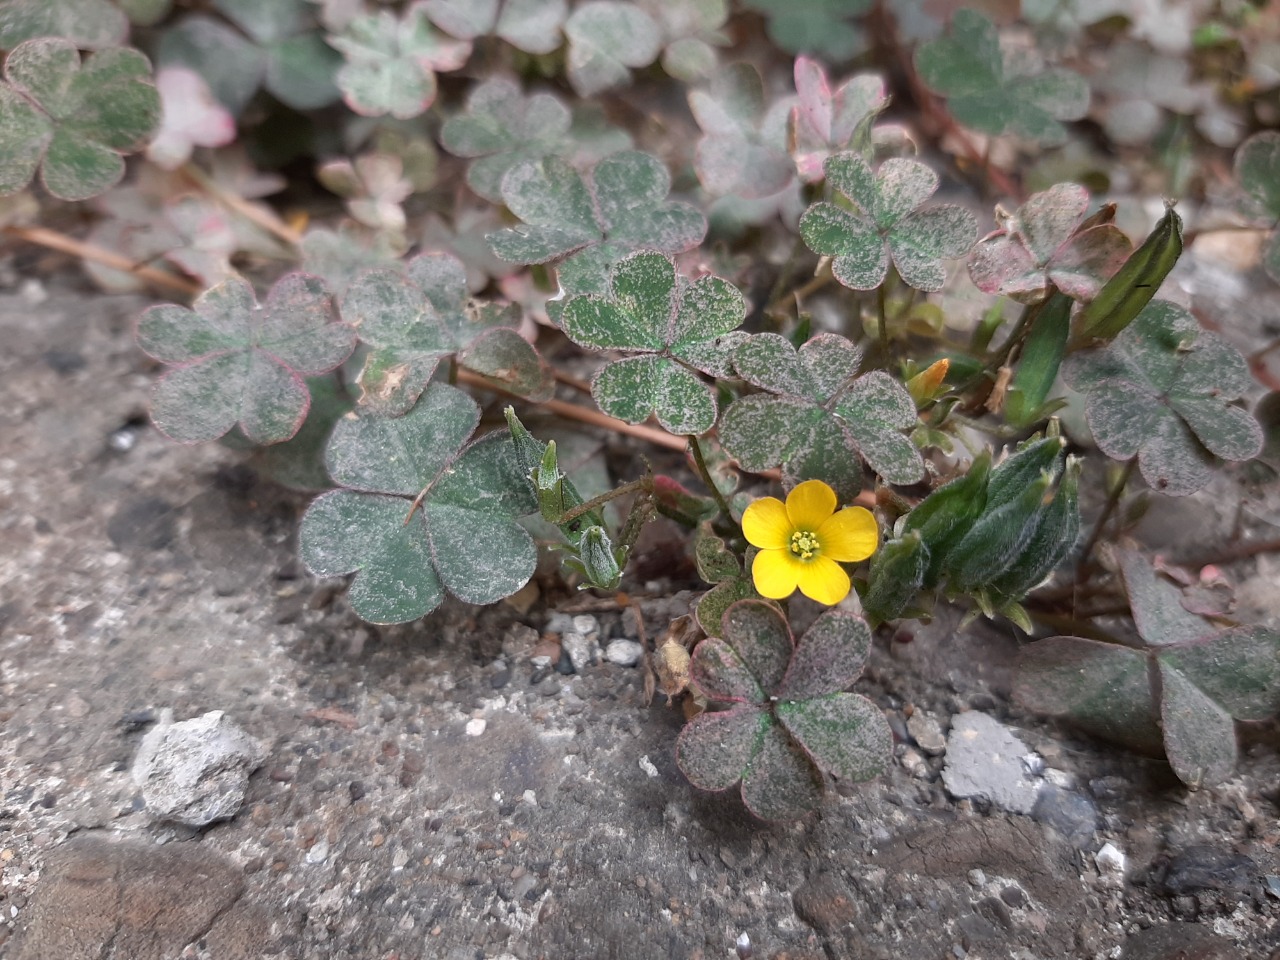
319	851
1071	814
581	649
195	772
977	877
1110	860
476	727
1206	867
625	653
825	904
585	625
914	763
984	759
927	733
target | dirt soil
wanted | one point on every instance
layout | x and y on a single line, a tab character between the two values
137	575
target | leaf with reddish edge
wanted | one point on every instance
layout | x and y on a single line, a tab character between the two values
714	749
844	733
828	658
781	782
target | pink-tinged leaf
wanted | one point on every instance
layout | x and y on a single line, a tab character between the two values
1088	260
1046	220
721	674
781	782
1000	264
191	117
759	634
828	657
1199	736
1157	612
843	733
814	111
715	749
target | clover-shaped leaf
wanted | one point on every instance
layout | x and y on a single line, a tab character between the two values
1257	168
1180	692
994	94
501	128
743	150
823	123
392	62
887	224
240	363
819	27
616	209
531	25
672	326
421	513
691	32
339	256
817	418
279	48
607	38
412	319
1043	246
191	118
1162	391
73	121
89	24
790	721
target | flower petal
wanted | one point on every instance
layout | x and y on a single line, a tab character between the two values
766	525
776	573
849	535
822	579
809	504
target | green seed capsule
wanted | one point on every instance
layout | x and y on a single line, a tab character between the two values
944	516
1124	295
897	574
1053	541
1034	457
996	541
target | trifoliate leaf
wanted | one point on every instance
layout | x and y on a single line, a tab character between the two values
89	24
823	123
240	363
73	121
1041	246
1257	169
617	208
888	224
531	25
818	27
1162	391
995	96
607	38
743	149
420	515
392	62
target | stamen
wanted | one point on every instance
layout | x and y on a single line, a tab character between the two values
804	544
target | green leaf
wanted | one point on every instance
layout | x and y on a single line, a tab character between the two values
462	536
618	209
298	463
302	71
743	149
1199	736
889	224
1157	604
1239	669
781	782
1042	246
1162	390
633	388
73	120
392	63
828	657
502	128
818	27
414	319
1101	687
89	24
968	68
1257	169
531	25
712	605
874	410
346	532
721	674
759	634
715	749
844	733
716	562
241	363
606	39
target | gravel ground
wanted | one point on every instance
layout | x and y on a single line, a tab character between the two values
437	791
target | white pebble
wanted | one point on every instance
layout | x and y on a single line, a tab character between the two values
625	653
476	727
1110	859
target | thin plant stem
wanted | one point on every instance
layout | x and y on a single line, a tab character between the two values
1113	500
258	216
705	473
53	240
883	330
582	509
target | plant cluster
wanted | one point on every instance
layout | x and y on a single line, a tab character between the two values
854	369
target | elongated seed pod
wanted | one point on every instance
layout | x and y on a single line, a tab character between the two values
944	516
995	542
1010	478
897	574
1124	295
1052	542
1038	366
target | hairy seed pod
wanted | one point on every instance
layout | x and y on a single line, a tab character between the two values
1124	295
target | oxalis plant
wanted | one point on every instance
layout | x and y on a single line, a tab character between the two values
851	427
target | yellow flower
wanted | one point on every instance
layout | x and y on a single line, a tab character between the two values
803	543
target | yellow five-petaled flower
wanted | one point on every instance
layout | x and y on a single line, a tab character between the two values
803	542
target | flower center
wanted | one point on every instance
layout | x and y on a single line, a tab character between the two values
804	544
